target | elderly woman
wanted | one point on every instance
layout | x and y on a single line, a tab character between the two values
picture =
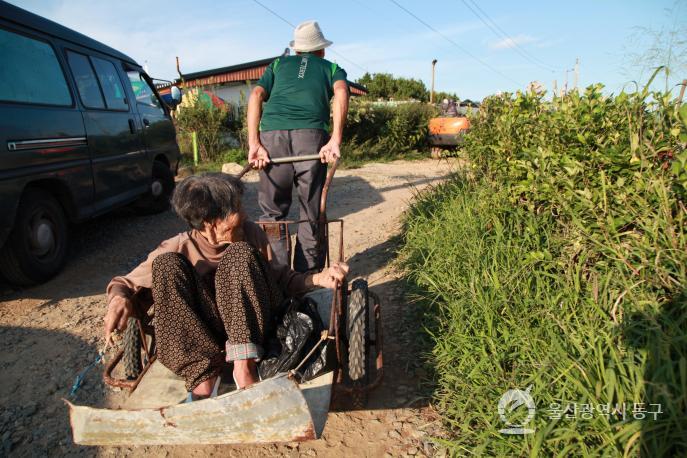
215	287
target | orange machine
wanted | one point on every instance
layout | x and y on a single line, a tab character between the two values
447	131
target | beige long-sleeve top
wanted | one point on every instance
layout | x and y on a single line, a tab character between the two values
205	257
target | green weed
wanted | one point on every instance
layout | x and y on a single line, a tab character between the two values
559	261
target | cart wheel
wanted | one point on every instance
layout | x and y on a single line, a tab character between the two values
132	350
357	330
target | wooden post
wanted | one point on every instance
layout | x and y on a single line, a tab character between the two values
194	141
181	77
682	91
431	93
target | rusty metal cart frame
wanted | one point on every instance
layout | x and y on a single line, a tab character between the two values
344	384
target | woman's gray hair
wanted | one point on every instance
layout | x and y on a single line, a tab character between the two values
207	197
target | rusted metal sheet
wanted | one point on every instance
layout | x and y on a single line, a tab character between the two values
274	410
318	395
159	388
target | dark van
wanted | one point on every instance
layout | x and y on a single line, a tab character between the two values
82	131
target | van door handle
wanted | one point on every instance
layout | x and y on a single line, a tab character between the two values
146	122
132	126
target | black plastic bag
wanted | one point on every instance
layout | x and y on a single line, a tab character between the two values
298	331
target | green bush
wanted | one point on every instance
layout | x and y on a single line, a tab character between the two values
208	121
237	155
559	261
382	132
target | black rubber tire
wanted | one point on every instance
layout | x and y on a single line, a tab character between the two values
357	332
20	263
150	203
131	359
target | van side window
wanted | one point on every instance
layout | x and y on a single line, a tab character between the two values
30	72
145	95
85	80
110	84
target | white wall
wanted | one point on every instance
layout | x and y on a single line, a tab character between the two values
232	92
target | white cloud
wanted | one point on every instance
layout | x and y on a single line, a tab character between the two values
155	38
512	42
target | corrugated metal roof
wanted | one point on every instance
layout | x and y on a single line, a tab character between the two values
262	63
226	77
357	89
235	73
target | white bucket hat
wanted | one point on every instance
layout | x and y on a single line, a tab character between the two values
308	37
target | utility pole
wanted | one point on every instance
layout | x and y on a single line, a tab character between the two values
555	88
577	71
431	93
565	86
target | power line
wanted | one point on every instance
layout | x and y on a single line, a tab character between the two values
485	64
486	20
274	13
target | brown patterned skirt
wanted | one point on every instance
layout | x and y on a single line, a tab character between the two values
196	320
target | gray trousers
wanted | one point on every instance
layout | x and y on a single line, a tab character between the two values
276	185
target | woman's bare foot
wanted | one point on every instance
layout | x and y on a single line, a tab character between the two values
245	373
204	389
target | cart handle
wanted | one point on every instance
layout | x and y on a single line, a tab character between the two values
282	160
309	157
286	160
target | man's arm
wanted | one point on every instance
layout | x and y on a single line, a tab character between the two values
258	156
330	152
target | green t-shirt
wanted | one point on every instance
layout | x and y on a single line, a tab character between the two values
299	89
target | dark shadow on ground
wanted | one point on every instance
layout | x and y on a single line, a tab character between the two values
37	370
115	243
371	259
663	336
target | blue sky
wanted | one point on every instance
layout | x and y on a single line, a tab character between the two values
378	36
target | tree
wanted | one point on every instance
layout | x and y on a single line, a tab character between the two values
387	86
441	95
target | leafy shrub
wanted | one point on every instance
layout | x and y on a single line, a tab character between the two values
560	261
376	132
208	121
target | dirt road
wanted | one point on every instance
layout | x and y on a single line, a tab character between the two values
51	332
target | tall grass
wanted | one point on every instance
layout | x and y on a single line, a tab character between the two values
559	261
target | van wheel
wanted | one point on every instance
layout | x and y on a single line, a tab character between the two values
156	200
37	246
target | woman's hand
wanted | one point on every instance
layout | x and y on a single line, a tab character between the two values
118	312
329	277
